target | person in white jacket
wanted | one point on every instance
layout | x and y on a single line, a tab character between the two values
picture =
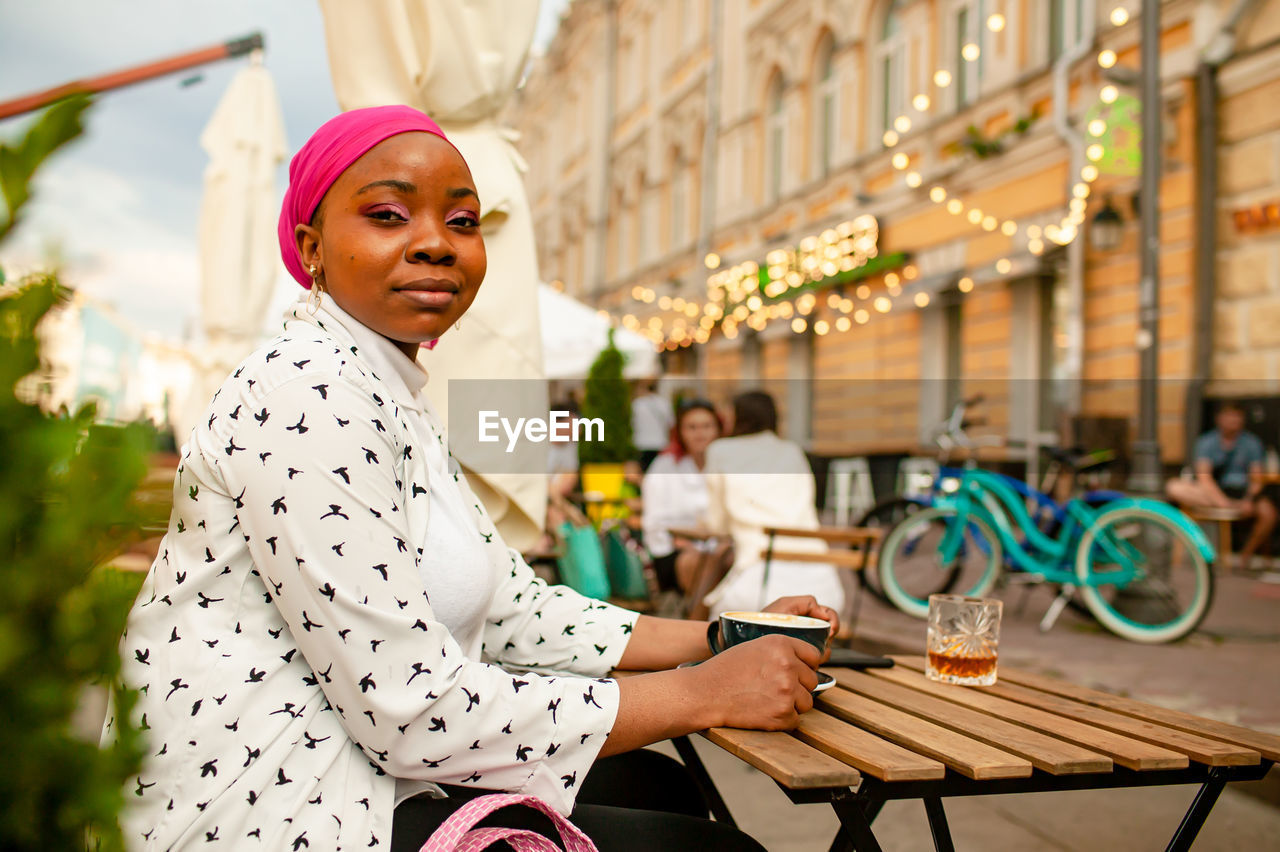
754	480
334	647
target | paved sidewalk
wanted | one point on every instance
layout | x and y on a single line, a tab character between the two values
1230	671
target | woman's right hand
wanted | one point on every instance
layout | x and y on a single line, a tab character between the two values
764	684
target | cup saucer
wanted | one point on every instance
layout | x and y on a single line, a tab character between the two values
825	682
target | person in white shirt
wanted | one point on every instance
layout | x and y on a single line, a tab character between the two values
334	647
756	479
651	422
675	492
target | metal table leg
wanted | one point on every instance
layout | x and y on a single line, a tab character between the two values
715	801
855	823
938	825
1201	805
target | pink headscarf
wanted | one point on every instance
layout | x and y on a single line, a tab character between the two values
338	143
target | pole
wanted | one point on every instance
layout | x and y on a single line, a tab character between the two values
1147	472
129	76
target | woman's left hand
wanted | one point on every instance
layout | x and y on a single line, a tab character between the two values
808	605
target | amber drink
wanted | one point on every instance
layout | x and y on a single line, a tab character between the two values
964	634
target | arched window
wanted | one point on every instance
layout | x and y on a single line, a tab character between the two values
891	65
825	106
775	138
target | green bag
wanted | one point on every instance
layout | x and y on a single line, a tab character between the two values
581	561
625	565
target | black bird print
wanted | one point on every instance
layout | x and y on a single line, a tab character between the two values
181	528
382	755
257	832
341	422
300	364
262	457
274	353
367	683
589	697
276	586
335	511
522	752
141	786
262	416
400	545
272	541
328	591
570	779
370	456
173	636
473	700
337	548
342	471
374	643
408	450
194	492
342	634
325	673
293	471
287	708
210	836
582	740
309	680
231	447
416	489
240	499
435	764
378	424
418	668
255	676
281	778
234	726
208	555
381	568
568	630
372	721
177	684
164	749
141	656
364	802
235	413
553	707
278	506
377	399
252	798
403	728
209	424
275	634
180	576
375	512
195	708
419	625
209	768
288	658
437	724
488	537
473	777
316	800
222	699
299	427
506	729
205	600
307	623
251	755
311	741
600	649
323	390
552	749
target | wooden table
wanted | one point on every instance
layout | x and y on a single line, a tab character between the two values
886	734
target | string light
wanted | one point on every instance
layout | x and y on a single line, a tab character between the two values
970	52
1004	266
900	161
920	102
1009	228
1033	232
1094	152
913	179
1119	16
989	223
995	22
937	195
1107	58
891	280
890	138
1080	190
975	216
863	292
882	304
942	78
1035	246
798	325
910	272
964	285
712	260
1089	173
1097	127
955	207
1109	94
902	124
860	316
843	324
821	327
922	300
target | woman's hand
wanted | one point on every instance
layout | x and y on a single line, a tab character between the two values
808	605
764	684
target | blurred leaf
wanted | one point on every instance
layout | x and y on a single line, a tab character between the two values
58	125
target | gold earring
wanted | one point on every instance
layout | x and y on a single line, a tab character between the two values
313	297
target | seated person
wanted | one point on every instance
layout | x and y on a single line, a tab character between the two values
1225	460
562	471
756	479
675	493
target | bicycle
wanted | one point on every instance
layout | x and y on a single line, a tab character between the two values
1142	567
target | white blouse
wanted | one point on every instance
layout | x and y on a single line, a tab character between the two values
333	618
675	495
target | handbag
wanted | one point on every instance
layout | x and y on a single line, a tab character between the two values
625	563
456	834
581	562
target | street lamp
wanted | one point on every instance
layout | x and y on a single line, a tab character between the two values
1107	228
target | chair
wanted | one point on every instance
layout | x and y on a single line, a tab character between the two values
849	491
1222	519
916	477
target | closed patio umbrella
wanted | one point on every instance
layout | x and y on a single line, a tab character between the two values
239	255
460	62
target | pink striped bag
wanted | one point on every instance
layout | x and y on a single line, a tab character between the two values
457	835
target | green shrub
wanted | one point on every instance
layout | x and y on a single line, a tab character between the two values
605	396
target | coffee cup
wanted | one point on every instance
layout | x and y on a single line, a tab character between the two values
739	627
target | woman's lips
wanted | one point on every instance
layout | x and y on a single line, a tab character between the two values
430	298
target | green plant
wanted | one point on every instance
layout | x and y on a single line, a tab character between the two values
984	147
66	504
606	397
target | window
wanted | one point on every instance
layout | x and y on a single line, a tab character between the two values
891	66
775	138
679	189
1066	25
968	49
826	101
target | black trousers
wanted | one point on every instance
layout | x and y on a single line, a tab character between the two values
633	802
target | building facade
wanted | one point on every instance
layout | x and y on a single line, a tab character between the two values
881	206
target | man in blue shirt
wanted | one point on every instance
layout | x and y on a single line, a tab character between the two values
1226	459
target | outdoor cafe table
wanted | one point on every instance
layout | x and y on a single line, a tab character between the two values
886	734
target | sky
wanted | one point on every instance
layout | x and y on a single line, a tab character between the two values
118	208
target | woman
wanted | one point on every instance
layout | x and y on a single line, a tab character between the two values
755	480
323	634
675	492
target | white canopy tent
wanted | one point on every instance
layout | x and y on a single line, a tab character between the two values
573	334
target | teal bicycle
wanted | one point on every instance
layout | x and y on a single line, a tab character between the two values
1143	568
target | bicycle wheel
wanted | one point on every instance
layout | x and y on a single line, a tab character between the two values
885	515
911	566
1161	584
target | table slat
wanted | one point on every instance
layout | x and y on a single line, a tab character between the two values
1126	751
831	535
1267	744
1045	752
866	751
784	758
1199	749
963	754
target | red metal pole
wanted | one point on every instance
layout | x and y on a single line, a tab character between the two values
129	76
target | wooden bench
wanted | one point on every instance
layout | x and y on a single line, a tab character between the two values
854	555
1224	518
